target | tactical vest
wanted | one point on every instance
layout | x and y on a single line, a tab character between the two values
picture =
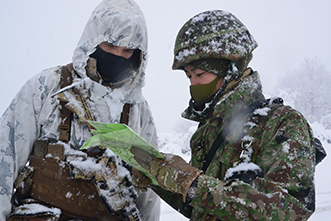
53	182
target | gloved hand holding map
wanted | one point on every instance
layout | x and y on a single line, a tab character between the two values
120	139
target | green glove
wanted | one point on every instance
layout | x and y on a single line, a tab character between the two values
172	174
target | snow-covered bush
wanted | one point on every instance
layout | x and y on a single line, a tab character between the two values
177	141
307	90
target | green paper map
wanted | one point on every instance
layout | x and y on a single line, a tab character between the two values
120	138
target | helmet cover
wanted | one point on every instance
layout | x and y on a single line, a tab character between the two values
212	34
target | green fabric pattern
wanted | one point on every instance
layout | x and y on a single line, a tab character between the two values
283	146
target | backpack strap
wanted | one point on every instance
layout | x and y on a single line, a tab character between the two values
320	153
125	114
66	114
228	127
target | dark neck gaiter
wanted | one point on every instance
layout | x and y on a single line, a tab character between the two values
112	68
201	91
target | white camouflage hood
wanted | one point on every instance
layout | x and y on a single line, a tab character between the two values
121	23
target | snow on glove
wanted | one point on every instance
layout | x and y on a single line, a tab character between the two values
172	174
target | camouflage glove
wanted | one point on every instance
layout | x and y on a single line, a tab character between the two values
172	174
140	181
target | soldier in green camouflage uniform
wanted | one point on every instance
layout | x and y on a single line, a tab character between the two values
264	169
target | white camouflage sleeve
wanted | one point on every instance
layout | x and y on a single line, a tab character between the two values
18	130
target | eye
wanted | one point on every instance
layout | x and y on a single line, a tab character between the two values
189	76
129	50
200	74
109	45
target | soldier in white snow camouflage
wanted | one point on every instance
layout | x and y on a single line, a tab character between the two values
264	160
103	83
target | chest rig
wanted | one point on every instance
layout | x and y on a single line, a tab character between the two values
53	179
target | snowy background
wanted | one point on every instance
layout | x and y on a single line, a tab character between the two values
39	34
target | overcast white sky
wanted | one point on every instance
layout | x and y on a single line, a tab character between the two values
38	34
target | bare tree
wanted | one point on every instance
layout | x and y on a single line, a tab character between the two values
307	89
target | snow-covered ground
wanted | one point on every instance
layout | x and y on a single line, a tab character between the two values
177	143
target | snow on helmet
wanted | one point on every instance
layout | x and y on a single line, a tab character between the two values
212	34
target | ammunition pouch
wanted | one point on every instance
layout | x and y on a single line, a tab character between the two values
35	212
76	198
47	181
118	196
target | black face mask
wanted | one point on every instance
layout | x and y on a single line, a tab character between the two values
112	68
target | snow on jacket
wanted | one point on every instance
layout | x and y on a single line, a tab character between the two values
283	148
35	113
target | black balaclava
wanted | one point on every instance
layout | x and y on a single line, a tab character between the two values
112	68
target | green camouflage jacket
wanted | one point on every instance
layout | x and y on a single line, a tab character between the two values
283	148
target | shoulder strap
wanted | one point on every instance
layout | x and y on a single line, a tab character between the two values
228	127
66	114
125	114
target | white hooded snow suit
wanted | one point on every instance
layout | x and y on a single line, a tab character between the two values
34	113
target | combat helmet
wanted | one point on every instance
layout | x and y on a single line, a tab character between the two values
214	34
217	42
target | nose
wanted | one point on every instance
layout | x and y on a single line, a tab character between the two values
193	80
